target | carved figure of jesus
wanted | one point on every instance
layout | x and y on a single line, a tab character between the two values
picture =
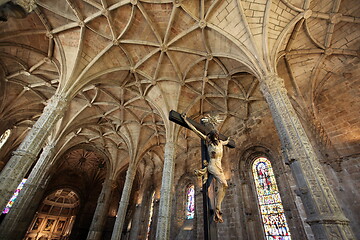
215	150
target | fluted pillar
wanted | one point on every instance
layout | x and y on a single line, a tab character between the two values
164	217
26	154
323	211
102	210
124	202
21	214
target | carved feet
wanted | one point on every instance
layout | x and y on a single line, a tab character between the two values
218	216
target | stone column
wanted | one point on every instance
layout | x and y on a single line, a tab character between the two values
124	202
164	217
26	154
102	210
135	225
136	221
21	214
323	211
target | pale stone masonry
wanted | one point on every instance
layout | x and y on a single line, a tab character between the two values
86	87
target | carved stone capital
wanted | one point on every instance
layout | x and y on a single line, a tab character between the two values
57	102
272	83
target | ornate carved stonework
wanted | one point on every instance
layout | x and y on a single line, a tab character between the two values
323	211
21	215
102	208
124	201
163	229
23	157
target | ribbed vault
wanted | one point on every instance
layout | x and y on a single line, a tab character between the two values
125	64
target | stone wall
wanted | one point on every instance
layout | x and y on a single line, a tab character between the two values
346	185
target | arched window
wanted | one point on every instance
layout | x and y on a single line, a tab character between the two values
271	208
190	202
4	137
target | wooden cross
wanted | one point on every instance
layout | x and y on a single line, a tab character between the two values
209	225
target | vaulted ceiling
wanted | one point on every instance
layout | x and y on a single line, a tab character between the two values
126	64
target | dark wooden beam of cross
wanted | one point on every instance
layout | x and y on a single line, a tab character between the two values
208	204
176	118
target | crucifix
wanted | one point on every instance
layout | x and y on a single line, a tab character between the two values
211	150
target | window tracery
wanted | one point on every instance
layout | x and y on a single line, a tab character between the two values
269	200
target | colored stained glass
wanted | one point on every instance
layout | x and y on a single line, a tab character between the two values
271	208
190	202
13	198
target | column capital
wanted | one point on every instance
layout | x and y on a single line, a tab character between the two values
58	101
54	109
271	82
273	78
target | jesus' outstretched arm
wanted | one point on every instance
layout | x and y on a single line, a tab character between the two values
192	127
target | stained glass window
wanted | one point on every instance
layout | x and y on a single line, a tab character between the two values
13	198
271	208
190	202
